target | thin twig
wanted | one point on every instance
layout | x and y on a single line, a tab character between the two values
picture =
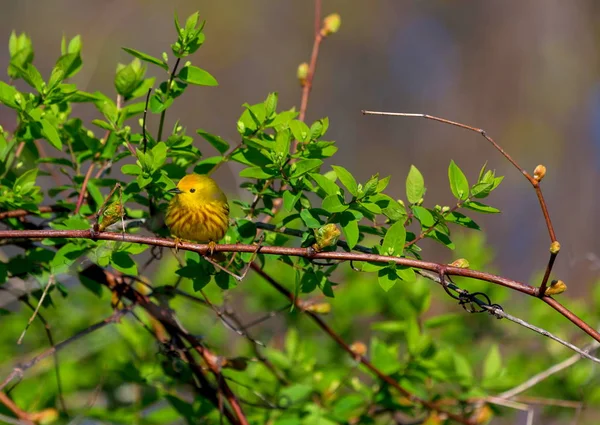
37	308
83	190
161	123
61	398
534	182
19	370
542	376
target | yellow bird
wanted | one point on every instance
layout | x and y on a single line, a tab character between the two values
199	211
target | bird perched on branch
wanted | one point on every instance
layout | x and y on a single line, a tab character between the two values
198	212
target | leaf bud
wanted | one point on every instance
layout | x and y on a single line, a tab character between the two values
539	172
556	287
326	236
319	308
554	247
302	73
331	24
359	348
461	263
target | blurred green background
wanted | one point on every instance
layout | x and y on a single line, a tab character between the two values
528	73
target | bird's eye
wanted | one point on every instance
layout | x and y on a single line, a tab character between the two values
192	190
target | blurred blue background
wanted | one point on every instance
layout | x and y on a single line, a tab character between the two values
527	72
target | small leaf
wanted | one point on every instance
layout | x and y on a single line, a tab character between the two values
387	277
334	204
492	364
290	200
146	58
458	182
218	143
393	242
271	104
324	183
347	179
194	75
304	166
255	173
462	220
351	233
309	219
482	208
415	185
51	134
300	130
122	261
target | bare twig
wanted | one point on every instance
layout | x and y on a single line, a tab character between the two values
37	308
83	191
19	370
535	182
542	376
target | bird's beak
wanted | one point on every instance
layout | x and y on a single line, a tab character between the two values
175	190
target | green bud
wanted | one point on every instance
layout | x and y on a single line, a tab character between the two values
556	287
554	247
462	263
331	24
302	73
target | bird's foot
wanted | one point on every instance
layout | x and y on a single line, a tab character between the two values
211	247
177	244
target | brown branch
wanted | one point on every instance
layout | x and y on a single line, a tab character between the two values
83	191
304	252
307	86
19	370
18	412
329	331
535	182
22	213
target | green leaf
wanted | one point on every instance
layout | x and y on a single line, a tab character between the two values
271	104
51	134
290	200
334	204
194	75
351	233
347	179
300	130
458	182
462	220
256	173
394	240
309	219
492	364
324	183
387	277
481	190
384	357
304	166
415	185
146	58
8	95
25	181
482	208
424	216
122	262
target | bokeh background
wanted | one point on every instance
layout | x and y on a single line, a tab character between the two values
526	72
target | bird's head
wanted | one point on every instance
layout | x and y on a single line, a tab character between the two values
196	187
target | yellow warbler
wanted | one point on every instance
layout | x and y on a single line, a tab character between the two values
199	210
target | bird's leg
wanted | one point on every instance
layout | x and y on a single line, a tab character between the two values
211	248
177	244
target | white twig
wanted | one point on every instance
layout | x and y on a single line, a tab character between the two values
536	379
500	313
